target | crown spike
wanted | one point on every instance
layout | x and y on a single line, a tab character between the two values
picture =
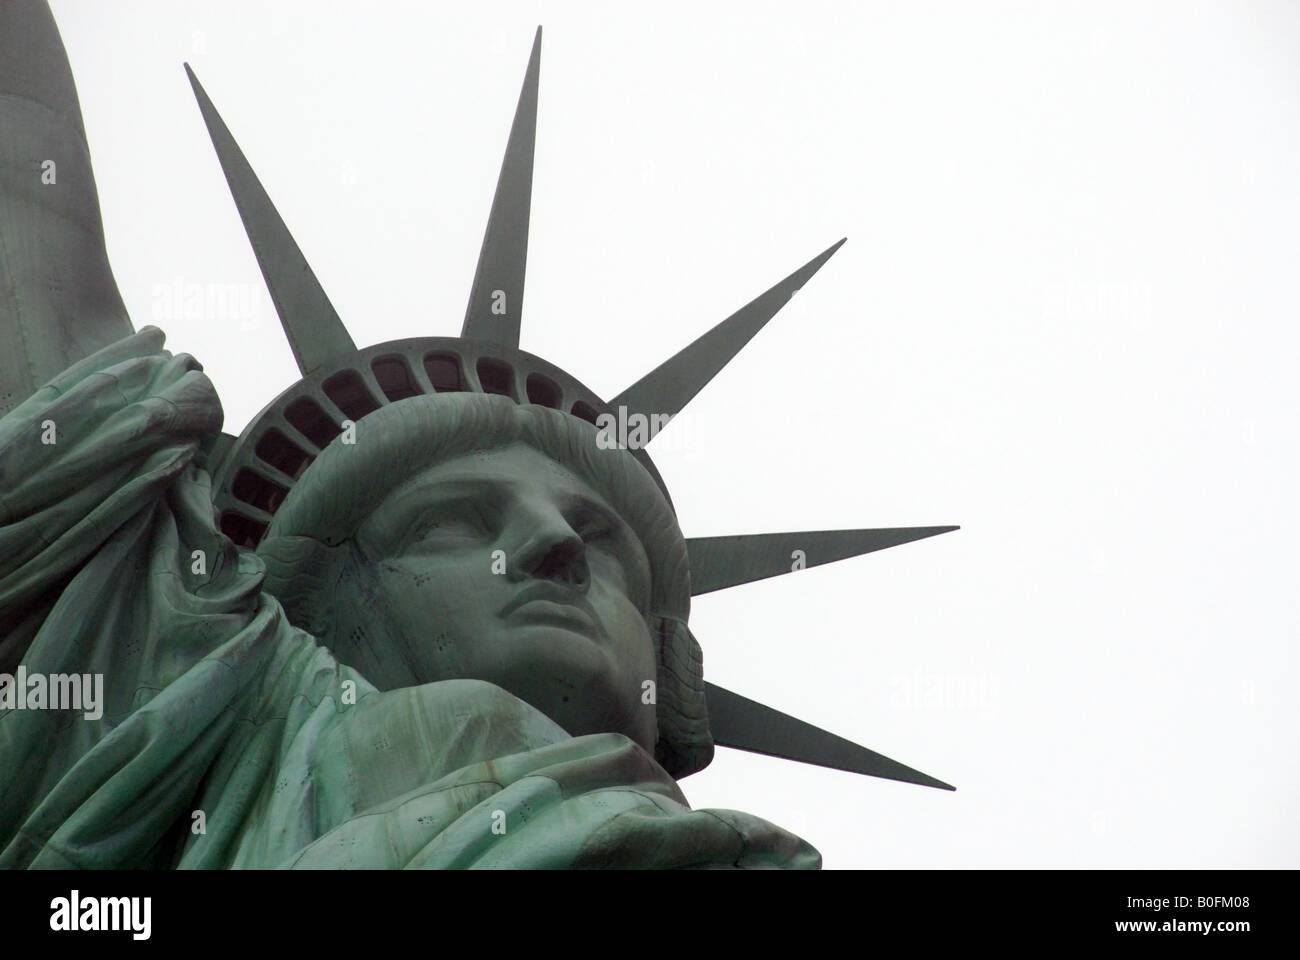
720	562
315	332
744	724
673	384
496	299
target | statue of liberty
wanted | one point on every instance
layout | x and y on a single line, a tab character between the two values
421	612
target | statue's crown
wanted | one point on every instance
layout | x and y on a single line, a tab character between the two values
258	469
255	472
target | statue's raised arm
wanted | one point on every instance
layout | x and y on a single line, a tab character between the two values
58	300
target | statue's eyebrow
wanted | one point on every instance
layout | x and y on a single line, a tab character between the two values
452	488
402	511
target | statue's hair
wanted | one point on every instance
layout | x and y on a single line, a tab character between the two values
347	482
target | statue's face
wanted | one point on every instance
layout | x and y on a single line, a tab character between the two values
506	567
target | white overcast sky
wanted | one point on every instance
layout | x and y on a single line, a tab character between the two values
1066	319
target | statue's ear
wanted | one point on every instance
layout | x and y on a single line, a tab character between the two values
684	745
303	574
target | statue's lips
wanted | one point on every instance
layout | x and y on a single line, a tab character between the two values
554	606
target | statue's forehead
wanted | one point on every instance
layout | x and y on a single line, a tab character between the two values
497	472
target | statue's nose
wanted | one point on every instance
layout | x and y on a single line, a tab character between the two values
565	562
553	551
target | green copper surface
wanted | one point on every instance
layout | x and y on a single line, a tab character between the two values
58	299
720	562
315	332
670	386
462	640
496	299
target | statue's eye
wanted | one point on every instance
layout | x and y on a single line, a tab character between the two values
454	521
592	525
596	529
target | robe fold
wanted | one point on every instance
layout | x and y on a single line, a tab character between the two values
230	738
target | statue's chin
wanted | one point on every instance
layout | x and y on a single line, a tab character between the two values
573	679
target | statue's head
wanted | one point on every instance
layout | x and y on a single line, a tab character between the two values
477	527
465	536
